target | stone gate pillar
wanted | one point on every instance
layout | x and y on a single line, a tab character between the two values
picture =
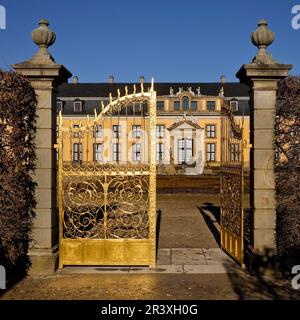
262	76
44	75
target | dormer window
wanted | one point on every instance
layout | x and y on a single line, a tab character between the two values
77	106
234	105
185	103
59	105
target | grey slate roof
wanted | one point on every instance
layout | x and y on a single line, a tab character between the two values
101	90
69	90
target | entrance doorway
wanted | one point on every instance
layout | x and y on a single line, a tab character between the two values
185	151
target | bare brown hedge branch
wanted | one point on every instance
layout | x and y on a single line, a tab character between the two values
17	157
287	164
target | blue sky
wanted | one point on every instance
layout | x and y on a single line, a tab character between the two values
171	40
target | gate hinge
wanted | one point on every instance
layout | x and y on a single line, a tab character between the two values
56	146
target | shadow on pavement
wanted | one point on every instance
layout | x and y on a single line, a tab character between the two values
212	219
262	283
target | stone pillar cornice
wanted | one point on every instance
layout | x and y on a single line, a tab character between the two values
50	71
254	71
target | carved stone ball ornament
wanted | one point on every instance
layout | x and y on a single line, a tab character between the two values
44	38
262	38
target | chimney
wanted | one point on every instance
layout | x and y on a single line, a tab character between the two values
223	79
142	79
75	80
111	79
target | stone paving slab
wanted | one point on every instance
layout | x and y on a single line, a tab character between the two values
188	256
159	269
164	257
170	261
208	269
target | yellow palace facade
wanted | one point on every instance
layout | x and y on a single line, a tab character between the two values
188	129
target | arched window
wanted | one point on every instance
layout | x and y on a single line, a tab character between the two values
185	103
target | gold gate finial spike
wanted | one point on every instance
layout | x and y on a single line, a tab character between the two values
134	89
119	94
126	91
152	84
95	113
110	98
142	87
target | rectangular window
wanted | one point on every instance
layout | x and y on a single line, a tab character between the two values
160	105
136	131
211	152
234	152
77	152
194	105
136	152
211	131
160	152
160	131
177	105
76	132
211	105
234	106
185	150
116	152
98	148
98	131
77	106
116	131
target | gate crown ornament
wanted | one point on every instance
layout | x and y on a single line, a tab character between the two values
44	38
262	38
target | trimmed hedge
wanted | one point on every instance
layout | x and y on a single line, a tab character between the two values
287	143
18	104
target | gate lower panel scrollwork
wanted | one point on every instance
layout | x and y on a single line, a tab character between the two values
106	207
231	201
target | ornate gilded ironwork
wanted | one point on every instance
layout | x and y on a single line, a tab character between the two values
107	209
232	186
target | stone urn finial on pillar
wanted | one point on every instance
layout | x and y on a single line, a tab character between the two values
262	38
44	38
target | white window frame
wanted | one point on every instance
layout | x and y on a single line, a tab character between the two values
75	108
234	105
210	152
160	151
98	154
136	152
235	152
76	134
116	152
116	133
185	149
160	131
98	131
78	152
136	131
211	134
